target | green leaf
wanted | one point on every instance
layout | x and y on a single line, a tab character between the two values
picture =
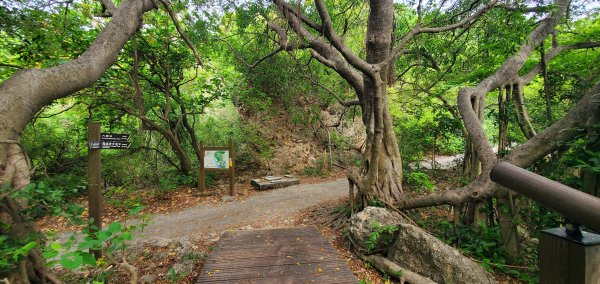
56	246
89	244
71	261
104	235
88	258
49	254
127	236
136	210
115	227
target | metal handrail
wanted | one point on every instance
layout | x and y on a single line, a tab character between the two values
571	203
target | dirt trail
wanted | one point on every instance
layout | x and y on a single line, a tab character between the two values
254	211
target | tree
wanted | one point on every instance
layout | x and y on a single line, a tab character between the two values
156	82
381	173
27	92
583	115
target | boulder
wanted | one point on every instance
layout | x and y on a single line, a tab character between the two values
423	253
371	220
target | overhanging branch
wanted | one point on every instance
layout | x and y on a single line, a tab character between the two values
185	38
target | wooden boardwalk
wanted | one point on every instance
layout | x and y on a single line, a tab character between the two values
291	255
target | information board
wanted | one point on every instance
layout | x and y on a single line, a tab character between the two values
216	159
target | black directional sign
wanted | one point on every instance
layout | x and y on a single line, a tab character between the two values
110	145
115	145
111	141
114	137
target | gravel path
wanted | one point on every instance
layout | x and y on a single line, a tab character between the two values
273	204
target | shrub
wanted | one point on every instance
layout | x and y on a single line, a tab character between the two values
420	180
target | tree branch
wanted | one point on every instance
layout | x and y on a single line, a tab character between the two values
553	53
332	93
585	113
27	91
508	71
536	9
418	29
185	38
327	55
282	5
110	7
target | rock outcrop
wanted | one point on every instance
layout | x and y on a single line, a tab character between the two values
414	249
417	250
371	221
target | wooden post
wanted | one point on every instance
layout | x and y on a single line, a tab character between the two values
201	178
231	170
569	202
568	261
94	190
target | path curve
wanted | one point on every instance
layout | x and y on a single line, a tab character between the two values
192	222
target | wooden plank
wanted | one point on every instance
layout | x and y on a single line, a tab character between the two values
291	255
592	260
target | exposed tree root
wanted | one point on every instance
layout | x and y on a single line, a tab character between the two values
132	270
390	268
325	217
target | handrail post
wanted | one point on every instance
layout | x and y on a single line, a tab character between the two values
563	257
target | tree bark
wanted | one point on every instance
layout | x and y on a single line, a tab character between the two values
547	95
383	163
502	123
185	164
521	111
475	209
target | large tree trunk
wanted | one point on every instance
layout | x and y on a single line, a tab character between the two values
381	175
382	163
28	91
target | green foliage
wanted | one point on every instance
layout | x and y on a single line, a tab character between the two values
580	156
420	181
122	197
174	277
76	255
12	251
382	234
376	202
42	199
484	244
422	128
318	169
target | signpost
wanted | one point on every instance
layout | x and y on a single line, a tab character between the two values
217	159
96	142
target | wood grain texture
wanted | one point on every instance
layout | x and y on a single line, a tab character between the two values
94	180
568	262
290	255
